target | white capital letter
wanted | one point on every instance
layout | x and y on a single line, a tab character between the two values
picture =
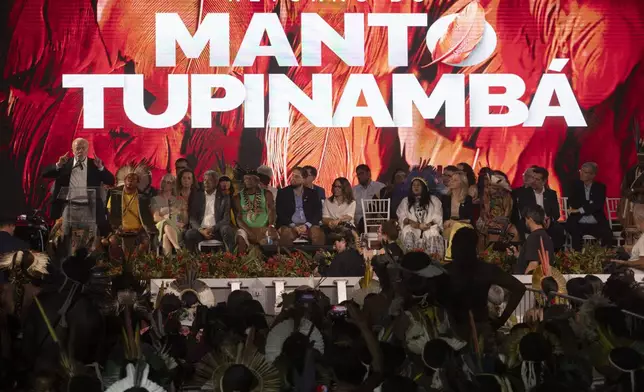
450	90
481	100
202	102
397	35
93	97
134	105
283	93
170	30
348	106
568	108
254	101
316	31
279	46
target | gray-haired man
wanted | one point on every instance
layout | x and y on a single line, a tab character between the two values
209	212
586	208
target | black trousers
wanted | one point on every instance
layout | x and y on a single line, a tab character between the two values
577	230
557	233
226	234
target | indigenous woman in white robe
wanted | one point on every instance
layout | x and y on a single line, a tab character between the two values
421	218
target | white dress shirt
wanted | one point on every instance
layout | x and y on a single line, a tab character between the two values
78	181
209	213
589	219
364	193
539	197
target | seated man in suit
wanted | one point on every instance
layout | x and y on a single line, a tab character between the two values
299	211
129	212
209	212
586	208
546	198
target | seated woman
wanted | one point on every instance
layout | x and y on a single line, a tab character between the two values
457	204
421	218
472	189
636	261
496	210
348	261
339	210
167	216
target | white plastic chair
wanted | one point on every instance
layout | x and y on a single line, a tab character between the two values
375	212
612	205
210	244
563	205
563	208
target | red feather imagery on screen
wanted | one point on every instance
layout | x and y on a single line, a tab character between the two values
462	36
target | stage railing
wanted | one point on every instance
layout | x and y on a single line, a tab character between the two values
268	291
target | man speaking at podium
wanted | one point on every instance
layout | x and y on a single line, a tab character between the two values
79	173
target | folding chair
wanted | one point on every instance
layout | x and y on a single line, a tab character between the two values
375	212
612	205
563	205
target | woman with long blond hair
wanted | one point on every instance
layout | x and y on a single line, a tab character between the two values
457	203
167	215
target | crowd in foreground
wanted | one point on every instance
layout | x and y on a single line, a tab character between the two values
427	204
420	326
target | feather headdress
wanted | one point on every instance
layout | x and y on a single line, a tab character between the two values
23	266
142	170
282	331
427	175
497	180
367	286
240	172
136	377
236	364
190	284
545	271
36	262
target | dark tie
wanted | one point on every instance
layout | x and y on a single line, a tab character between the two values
79	165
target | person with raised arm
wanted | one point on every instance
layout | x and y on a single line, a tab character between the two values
78	172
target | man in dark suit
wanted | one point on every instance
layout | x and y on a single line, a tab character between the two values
547	199
79	174
299	211
209	212
586	208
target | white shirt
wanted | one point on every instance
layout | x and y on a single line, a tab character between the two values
638	249
365	192
209	213
333	210
78	181
539	197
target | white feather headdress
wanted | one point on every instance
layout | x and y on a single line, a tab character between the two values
141	170
16	259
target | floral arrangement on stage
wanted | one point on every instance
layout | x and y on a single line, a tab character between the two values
222	265
226	265
590	260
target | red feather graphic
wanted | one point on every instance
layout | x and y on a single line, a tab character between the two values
462	36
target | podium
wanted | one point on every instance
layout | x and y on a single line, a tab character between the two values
79	216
